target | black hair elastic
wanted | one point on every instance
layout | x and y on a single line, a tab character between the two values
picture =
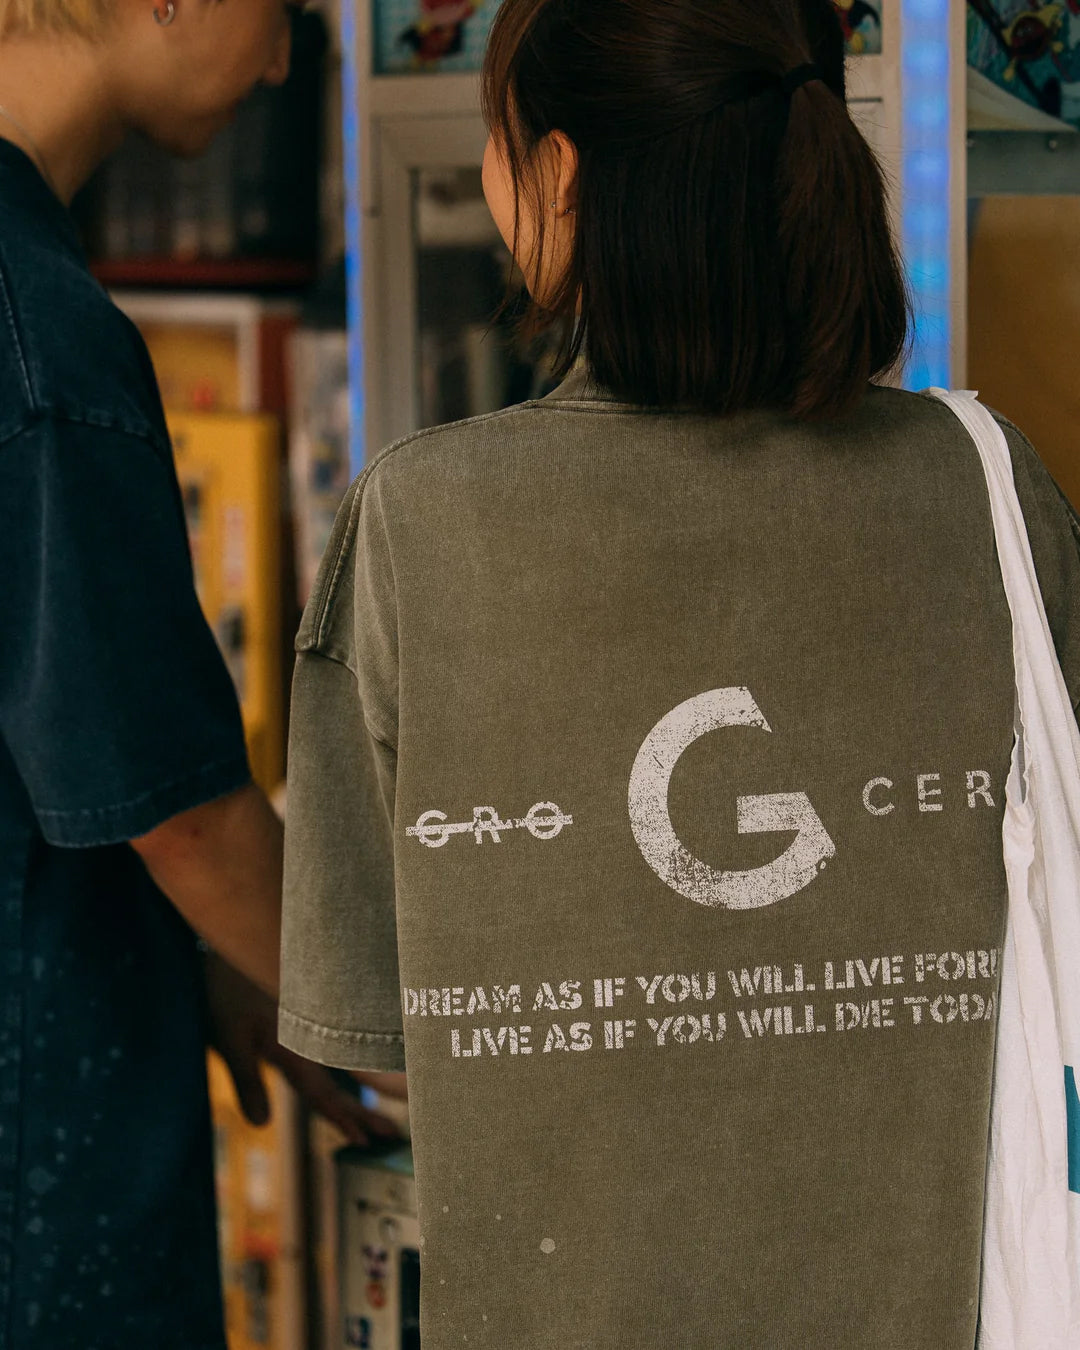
798	76
747	84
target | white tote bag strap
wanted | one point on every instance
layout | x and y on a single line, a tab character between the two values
1047	731
1030	1289
1031	631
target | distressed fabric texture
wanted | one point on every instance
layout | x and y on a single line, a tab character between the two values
116	712
645	801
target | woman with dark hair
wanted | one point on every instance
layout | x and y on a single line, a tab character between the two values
649	741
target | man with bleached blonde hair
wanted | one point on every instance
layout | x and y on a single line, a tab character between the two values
128	821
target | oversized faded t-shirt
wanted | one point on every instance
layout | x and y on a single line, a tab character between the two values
646	793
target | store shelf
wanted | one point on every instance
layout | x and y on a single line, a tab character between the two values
422	95
869	78
1023	163
211	274
991	108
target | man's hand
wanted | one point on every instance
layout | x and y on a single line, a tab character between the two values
385	1084
243	1030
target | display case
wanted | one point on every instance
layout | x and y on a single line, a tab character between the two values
260	1221
379	1259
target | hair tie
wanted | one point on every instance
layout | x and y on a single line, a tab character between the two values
798	76
747	84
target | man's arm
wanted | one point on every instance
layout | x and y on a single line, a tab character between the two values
220	864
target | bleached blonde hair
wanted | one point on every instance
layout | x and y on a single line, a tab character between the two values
25	18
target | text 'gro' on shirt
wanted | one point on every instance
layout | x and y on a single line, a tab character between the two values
646	792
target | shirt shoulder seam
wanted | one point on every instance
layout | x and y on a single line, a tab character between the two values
315	641
7	296
92	421
390	451
549	404
1007	424
380	736
1070	511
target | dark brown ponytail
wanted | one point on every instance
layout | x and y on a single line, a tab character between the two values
844	288
732	246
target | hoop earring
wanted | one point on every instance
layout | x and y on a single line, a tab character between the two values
163	20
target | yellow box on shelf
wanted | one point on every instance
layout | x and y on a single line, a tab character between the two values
259	1216
229	466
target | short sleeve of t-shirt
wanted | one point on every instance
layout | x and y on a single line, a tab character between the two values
115	702
340	996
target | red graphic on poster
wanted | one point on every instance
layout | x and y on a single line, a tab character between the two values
439	31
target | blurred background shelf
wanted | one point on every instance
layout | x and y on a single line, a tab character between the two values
236	274
991	108
1023	163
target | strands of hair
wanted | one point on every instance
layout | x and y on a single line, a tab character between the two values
23	18
732	246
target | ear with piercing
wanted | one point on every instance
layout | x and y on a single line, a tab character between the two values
568	212
163	19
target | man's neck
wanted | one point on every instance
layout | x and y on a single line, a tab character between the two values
56	91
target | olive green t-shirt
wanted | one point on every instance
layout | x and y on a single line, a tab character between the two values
645	800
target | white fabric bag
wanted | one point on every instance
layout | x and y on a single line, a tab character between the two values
1030	1297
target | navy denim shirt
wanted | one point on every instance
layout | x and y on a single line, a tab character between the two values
116	712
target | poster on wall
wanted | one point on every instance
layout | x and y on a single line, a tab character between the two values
1029	50
431	35
414	36
862	25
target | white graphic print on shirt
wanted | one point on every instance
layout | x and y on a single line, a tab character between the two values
660	845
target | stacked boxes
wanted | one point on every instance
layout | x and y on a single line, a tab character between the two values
379	1250
229	470
259	1221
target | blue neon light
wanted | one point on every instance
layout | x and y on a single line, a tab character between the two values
926	179
354	263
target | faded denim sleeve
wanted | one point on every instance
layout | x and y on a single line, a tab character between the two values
340	1000
115	703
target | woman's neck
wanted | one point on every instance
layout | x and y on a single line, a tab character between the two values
57	93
